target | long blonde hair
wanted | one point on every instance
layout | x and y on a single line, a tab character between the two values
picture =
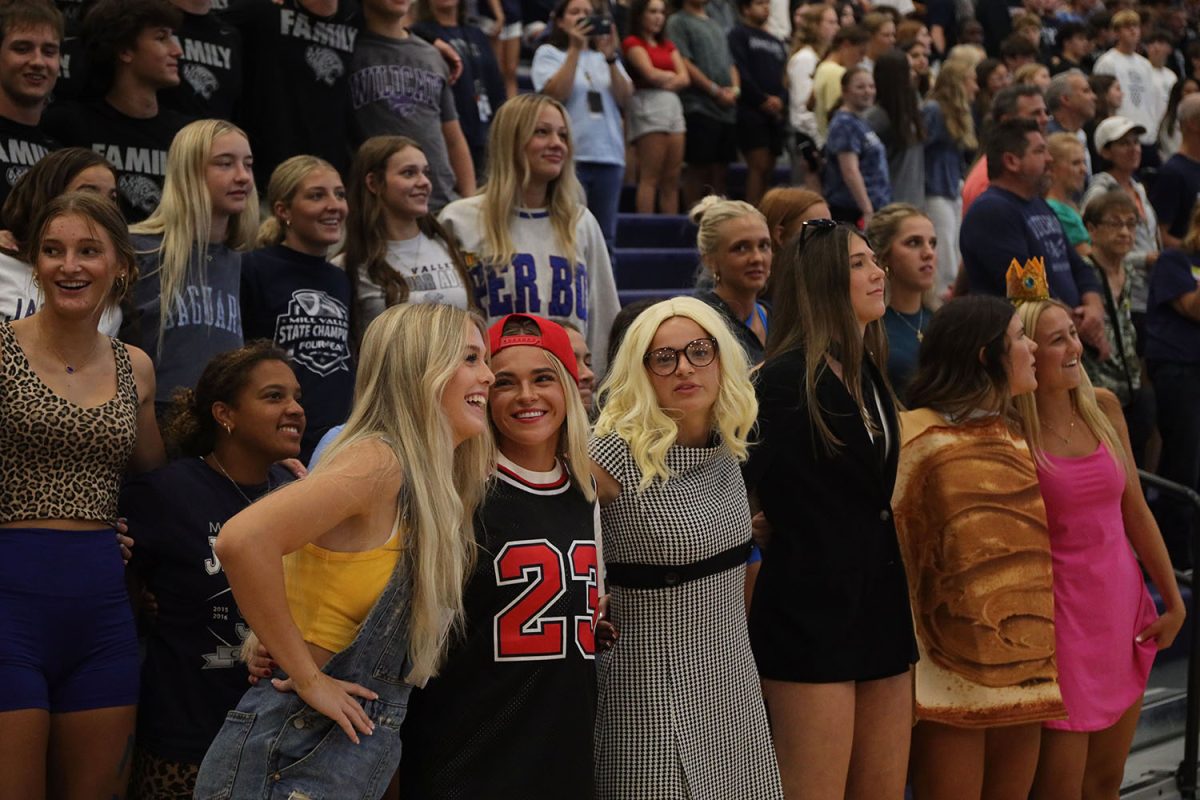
184	217
573	437
950	93
285	182
629	406
409	354
508	176
1083	399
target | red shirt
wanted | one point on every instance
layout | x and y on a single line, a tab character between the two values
660	56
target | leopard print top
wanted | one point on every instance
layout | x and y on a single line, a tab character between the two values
59	460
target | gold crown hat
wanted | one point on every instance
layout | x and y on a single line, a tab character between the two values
1027	283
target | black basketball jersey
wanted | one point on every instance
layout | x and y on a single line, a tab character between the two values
511	714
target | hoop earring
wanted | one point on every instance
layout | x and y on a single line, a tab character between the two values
119	285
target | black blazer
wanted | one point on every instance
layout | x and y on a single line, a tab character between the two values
831	602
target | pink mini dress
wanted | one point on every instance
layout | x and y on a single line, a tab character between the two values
1100	600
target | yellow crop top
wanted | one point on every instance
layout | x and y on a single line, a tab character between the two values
330	593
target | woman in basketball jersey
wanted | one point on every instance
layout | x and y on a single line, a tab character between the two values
511	713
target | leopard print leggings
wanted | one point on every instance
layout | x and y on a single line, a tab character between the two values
157	778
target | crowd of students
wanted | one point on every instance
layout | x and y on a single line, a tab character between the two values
386	437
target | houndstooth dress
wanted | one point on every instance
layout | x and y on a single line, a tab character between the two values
680	714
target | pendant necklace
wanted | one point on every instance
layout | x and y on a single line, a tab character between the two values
1066	440
72	369
919	330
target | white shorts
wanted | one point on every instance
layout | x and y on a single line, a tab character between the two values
510	31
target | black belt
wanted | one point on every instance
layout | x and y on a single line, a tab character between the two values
657	576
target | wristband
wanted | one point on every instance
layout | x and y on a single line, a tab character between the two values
610	61
737	92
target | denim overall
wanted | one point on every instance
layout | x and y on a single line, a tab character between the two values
275	747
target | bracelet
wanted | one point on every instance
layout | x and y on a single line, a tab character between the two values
737	92
610	61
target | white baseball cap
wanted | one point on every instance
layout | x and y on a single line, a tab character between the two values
1112	129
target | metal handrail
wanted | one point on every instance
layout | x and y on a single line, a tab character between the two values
1185	778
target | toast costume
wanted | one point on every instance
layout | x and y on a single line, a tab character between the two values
973	534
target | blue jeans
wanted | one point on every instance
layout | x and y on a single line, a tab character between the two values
274	744
1177	388
602	185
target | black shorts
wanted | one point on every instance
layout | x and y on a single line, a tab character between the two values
803	147
756	131
709	141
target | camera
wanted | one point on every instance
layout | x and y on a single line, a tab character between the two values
601	25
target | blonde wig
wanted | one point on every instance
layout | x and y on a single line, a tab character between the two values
509	176
1083	398
709	215
366	225
408	356
630	409
184	217
281	190
572	445
950	93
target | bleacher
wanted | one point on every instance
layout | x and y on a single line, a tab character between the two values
655	254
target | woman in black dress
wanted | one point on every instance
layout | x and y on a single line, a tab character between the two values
830	624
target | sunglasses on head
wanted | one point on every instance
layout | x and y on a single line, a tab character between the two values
812	227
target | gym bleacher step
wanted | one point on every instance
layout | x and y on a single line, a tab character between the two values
655	230
656	268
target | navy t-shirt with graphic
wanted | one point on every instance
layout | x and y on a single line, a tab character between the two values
302	303
1000	226
295	93
210	69
191	676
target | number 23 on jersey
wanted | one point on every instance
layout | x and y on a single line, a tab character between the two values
522	631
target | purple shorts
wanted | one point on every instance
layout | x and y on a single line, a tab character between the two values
67	638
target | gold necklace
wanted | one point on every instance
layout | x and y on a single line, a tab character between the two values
71	369
1066	440
920	329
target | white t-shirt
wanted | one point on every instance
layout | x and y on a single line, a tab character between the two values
1143	102
539	280
19	298
425	265
800	69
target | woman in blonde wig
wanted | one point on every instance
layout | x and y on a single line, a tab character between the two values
293	296
351	580
679	712
396	251
186	304
1106	626
529	242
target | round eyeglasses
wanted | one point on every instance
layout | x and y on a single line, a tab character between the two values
665	360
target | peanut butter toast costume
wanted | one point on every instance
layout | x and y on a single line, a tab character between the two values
973	534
